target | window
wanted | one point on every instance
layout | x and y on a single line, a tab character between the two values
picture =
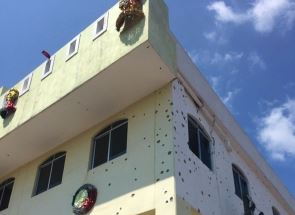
25	86
73	47
241	185
199	142
101	25
275	211
5	193
50	173
110	143
48	67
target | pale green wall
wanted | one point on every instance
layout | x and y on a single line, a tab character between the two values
92	58
149	159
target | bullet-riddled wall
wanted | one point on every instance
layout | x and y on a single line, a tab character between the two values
139	181
200	189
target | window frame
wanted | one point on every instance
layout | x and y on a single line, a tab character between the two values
49	161
200	130
104	17
77	45
107	131
241	175
3	185
24	90
44	74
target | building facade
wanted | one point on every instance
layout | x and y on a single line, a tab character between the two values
128	115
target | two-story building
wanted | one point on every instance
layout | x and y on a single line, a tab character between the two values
128	115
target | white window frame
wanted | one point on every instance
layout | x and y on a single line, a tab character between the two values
24	90
44	75
68	55
104	17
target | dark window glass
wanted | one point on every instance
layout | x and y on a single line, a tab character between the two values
275	211
100	25
205	149
72	47
50	173
5	193
57	172
101	147
118	141
110	143
47	66
199	143
241	185
43	181
193	138
237	184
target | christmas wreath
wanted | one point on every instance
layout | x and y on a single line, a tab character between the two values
8	107
84	199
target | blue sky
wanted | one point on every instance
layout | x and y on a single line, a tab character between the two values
246	50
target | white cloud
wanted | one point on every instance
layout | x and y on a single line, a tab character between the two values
228	99
223	58
256	60
214	80
277	131
215	37
264	14
226	14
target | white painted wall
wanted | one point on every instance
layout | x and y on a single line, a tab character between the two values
212	192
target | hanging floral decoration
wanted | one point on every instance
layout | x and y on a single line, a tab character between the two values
9	103
84	199
131	12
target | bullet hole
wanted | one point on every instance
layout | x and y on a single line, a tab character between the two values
117	213
109	184
189	159
132	195
126	159
179	173
171	103
202	192
148	47
182	125
135	179
166	201
162	162
157	179
144	138
209	195
162	172
106	170
171	199
167	116
190	171
159	103
166	110
169	153
149	146
165	191
133	116
163	144
184	161
157	134
143	114
156	111
182	179
167	170
135	168
174	128
172	113
158	141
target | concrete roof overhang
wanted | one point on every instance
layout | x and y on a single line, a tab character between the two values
124	82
